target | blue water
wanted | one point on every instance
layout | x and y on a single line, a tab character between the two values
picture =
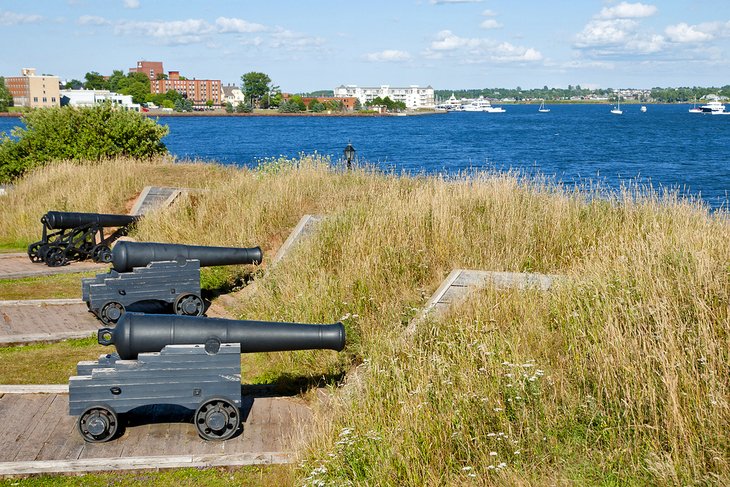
667	146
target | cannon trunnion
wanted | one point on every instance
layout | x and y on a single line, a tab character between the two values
164	273
185	361
69	236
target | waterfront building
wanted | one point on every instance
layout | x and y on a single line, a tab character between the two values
414	96
90	98
33	91
153	69
232	94
198	91
347	101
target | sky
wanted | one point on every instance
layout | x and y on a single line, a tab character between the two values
320	44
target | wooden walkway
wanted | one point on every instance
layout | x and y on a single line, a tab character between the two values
37	435
48	320
17	265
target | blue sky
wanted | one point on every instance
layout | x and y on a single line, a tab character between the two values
449	44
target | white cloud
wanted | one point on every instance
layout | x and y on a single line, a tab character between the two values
92	20
479	50
489	13
226	24
11	18
490	24
606	32
131	3
171	32
684	33
508	52
618	36
625	10
389	55
293	41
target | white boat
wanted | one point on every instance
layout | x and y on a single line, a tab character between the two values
694	108
714	107
481	104
643	108
542	108
617	109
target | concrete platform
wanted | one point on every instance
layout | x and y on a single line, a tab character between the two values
37	435
17	265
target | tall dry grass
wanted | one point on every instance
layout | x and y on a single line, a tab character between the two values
620	376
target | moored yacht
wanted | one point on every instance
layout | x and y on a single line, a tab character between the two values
481	104
714	107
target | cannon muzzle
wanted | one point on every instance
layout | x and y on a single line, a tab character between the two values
137	333
60	220
128	255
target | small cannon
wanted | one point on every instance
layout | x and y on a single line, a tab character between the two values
192	362
78	236
160	272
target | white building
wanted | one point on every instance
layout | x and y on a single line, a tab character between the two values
232	94
90	98
414	96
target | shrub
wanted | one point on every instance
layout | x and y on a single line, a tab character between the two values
69	133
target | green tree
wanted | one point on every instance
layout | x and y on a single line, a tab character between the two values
74	84
183	105
255	86
68	133
95	81
316	106
244	107
6	98
229	107
116	80
357	106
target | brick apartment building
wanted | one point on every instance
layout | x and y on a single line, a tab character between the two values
199	91
30	90
347	101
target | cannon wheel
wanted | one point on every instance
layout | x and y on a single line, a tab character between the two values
102	253
217	419
56	257
98	424
189	305
34	252
111	312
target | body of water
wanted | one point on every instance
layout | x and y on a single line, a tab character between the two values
666	146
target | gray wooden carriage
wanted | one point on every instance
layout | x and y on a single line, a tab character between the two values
159	272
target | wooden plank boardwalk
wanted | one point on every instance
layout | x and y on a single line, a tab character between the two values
37	435
41	320
17	265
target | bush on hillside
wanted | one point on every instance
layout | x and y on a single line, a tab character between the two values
68	133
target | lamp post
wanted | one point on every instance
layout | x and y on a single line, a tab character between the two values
349	155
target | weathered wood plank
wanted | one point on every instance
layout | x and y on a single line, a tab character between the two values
143	463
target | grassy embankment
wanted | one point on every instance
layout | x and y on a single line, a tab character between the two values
617	376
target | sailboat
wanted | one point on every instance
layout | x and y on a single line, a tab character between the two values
617	109
542	108
694	108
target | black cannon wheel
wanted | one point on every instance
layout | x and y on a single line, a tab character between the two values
189	305
217	419
102	253
111	312
34	252
98	424
56	257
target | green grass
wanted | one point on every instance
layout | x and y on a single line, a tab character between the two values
251	476
20	364
56	286
633	386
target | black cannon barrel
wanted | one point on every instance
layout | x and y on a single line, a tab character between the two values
59	220
127	255
137	333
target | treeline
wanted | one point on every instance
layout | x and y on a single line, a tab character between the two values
662	95
685	94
